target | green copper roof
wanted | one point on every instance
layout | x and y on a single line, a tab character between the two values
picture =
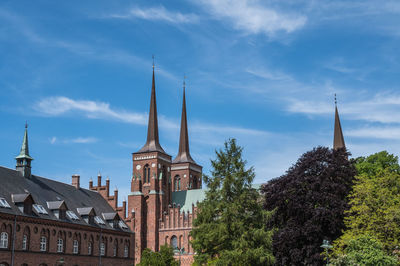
188	197
24	153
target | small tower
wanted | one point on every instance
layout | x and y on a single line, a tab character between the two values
23	159
185	172
338	140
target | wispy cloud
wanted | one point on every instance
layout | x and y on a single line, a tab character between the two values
382	108
56	106
78	140
389	133
157	14
254	17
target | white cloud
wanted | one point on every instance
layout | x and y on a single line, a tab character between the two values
382	108
78	140
56	106
158	14
253	17
390	133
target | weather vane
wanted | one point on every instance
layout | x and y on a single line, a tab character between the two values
184	81
335	100
153	60
26	124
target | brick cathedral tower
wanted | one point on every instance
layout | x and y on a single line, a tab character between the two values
149	195
185	172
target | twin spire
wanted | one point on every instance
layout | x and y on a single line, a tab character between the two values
153	143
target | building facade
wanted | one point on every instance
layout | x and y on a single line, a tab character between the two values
45	222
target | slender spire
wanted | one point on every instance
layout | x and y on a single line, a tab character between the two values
338	140
24	153
152	143
184	154
24	159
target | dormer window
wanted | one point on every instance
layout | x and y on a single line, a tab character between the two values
23	202
59	208
71	215
99	220
4	203
39	209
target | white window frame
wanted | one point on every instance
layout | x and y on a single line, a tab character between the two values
43	243
25	242
4	240
126	251
102	249
60	245
75	247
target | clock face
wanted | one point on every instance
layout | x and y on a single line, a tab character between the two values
138	167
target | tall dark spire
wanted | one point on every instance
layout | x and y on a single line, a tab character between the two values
184	154
152	143
338	140
24	159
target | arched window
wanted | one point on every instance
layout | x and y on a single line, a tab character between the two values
75	247
174	242
177	183
43	243
60	245
126	251
3	264
3	240
146	173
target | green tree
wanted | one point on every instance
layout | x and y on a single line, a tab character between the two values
230	227
364	250
165	257
374	202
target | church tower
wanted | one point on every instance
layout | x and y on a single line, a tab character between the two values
338	140
185	172
150	185
23	159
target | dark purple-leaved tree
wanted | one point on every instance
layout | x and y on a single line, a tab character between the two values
309	203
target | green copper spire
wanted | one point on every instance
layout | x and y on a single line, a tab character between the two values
24	159
24	153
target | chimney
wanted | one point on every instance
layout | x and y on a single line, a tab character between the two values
108	186
90	183
124	208
116	198
75	181
99	180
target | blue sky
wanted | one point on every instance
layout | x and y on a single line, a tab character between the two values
264	72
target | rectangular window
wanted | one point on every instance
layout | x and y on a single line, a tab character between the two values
126	251
75	248
3	240
60	245
102	249
43	243
25	242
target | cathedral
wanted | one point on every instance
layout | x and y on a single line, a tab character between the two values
44	222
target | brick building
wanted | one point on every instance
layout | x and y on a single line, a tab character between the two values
45	222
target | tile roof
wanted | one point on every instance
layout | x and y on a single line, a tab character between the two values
45	190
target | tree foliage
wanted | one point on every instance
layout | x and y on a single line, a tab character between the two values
375	202
230	227
364	250
309	203
165	257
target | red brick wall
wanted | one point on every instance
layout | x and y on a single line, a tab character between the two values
35	228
